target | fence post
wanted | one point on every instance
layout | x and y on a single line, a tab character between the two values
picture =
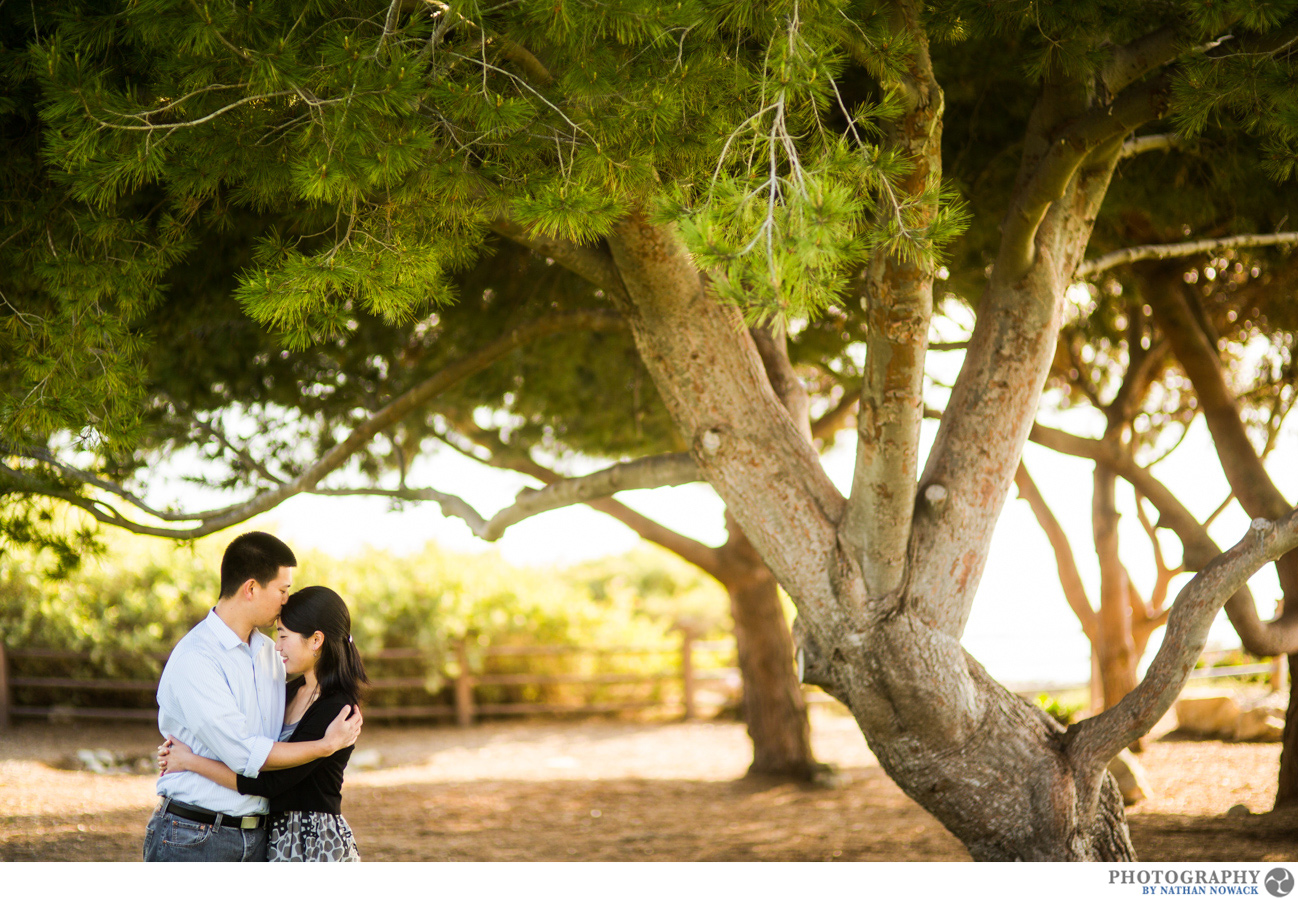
1279	663
687	671
4	688
463	688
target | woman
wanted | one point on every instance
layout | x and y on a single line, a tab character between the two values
306	823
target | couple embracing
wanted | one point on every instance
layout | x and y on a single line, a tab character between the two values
252	766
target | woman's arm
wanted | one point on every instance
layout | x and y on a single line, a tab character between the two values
342	732
175	756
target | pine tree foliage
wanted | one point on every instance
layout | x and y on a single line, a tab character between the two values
387	137
394	135
366	150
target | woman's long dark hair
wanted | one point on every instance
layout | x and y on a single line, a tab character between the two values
339	669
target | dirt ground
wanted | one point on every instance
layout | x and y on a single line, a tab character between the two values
610	790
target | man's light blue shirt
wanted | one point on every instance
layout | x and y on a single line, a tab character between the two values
225	699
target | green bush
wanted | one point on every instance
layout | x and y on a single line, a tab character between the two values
1060	710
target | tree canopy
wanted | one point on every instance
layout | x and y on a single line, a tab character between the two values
800	168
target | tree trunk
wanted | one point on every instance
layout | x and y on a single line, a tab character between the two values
774	708
773	705
1115	646
1287	791
994	769
1005	786
1004	777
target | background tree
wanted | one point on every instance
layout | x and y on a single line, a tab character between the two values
699	164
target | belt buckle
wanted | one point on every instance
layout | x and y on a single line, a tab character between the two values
249	822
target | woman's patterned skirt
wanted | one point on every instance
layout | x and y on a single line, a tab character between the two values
311	837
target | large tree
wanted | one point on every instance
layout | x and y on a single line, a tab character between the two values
707	166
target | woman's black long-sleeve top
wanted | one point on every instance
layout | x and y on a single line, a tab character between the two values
316	786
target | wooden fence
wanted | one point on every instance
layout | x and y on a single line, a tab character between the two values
680	665
466	705
1276	670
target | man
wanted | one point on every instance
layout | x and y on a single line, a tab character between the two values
222	693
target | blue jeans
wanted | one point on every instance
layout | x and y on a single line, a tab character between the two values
169	838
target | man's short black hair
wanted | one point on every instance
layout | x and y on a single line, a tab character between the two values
253	555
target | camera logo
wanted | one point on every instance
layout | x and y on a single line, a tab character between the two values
1279	882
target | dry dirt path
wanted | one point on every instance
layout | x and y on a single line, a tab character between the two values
605	790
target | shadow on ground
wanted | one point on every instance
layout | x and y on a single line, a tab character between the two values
654	820
1268	837
623	791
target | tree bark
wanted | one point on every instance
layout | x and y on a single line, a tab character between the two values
1116	647
1287	790
775	712
988	764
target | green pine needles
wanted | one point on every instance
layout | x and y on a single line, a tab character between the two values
383	142
368	149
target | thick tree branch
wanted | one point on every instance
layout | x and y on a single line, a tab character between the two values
694	552
1148	143
454	372
1090	132
1142	56
1115	647
81	476
1175	251
1197	353
712	381
16	481
898	304
1095	741
593	263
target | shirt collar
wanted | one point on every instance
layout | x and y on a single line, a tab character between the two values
225	634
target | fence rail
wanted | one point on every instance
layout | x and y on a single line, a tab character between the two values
466	705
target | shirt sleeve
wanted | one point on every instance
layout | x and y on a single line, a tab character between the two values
311	728
207	706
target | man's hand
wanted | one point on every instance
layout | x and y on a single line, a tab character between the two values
345	729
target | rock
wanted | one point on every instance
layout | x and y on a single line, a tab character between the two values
1209	716
62	715
101	762
365	759
1258	725
1131	778
1238	811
